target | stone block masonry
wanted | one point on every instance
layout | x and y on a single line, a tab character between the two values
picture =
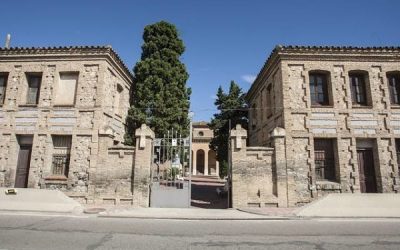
258	173
339	107
62	122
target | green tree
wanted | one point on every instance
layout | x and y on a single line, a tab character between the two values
231	107
159	96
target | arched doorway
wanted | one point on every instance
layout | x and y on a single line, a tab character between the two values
200	161
212	163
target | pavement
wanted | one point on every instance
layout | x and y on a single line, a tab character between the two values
330	206
353	205
38	200
185	214
64	232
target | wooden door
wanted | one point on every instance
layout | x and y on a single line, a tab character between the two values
24	158
367	171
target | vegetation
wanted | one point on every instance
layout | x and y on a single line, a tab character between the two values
231	108
159	96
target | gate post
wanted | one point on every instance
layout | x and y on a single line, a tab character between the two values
142	166
237	151
278	136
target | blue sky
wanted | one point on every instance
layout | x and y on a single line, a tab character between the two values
225	40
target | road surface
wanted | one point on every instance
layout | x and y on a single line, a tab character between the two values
18	231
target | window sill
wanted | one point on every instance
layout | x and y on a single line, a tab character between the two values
395	106
56	178
27	105
322	106
64	106
362	106
328	185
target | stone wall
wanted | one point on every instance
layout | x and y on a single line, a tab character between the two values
113	176
258	173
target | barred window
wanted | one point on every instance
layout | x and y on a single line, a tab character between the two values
61	155
394	87
324	159
3	87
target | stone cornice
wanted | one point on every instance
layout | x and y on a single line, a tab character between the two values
18	53
348	53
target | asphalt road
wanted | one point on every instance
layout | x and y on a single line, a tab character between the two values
54	232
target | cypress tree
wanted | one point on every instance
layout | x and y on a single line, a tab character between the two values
159	96
231	107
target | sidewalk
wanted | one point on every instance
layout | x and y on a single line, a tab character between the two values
371	205
187	214
38	200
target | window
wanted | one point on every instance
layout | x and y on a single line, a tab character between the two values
66	89
201	133
269	101
358	88
61	155
324	159
394	87
319	89
34	81
3	87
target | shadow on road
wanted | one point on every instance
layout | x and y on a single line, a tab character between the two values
204	195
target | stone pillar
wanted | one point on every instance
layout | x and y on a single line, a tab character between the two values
278	136
194	165
142	166
217	168
205	162
238	151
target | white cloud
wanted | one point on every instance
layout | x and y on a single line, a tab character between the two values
249	78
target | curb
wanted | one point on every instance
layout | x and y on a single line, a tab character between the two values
289	217
191	218
41	213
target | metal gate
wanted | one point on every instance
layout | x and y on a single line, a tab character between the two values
171	171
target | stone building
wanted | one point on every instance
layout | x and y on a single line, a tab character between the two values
340	110
62	115
204	159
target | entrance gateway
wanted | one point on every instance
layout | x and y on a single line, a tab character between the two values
171	171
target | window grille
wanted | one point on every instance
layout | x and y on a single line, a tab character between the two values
61	155
61	164
324	159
